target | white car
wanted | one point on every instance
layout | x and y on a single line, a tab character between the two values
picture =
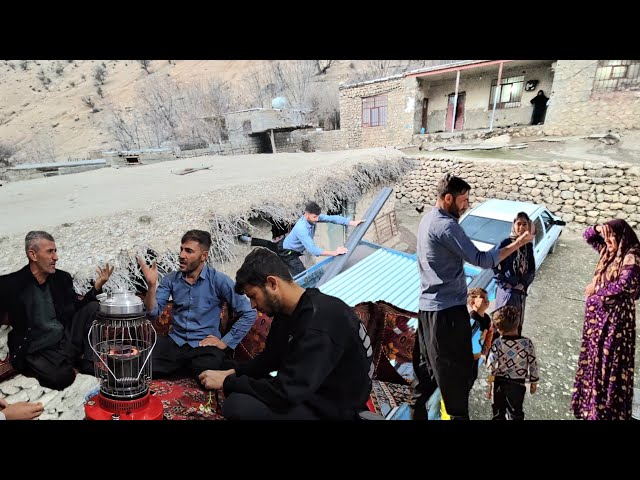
488	223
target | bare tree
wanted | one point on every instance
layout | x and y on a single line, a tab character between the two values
191	115
88	101
100	74
323	65
159	98
124	129
145	64
293	80
39	149
204	112
43	78
6	152
259	88
325	102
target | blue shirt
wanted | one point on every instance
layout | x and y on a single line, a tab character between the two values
443	247
301	236
196	308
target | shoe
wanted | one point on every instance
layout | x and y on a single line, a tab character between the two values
244	237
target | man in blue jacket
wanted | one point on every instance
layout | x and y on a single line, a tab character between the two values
199	292
293	246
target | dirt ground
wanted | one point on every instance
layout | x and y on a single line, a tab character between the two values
553	320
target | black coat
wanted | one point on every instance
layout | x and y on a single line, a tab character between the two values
65	302
320	353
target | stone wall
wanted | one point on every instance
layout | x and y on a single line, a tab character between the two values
401	106
309	140
578	192
575	109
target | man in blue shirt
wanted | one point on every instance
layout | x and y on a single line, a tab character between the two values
444	330
291	247
198	292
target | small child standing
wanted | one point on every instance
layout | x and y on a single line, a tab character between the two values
481	327
512	360
481	334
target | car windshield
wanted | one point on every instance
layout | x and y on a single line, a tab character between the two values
486	230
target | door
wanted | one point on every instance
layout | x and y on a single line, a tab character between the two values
550	229
425	106
459	117
538	242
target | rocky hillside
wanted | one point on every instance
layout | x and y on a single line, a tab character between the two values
45	115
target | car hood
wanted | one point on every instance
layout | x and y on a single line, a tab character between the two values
482	246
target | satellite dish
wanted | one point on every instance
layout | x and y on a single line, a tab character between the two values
279	103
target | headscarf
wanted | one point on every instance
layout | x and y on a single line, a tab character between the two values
611	263
520	262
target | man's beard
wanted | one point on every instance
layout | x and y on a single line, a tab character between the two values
454	211
190	267
272	304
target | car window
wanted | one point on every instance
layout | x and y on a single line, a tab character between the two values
547	220
486	230
539	230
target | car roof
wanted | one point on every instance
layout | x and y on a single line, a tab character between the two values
503	209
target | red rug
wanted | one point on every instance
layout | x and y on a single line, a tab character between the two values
185	399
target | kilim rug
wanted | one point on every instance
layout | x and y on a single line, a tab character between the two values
386	396
182	400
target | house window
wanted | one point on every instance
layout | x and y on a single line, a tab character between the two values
617	76
374	111
509	92
246	126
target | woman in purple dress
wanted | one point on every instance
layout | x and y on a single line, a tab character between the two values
603	389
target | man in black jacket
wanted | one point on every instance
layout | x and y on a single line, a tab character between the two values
50	324
318	348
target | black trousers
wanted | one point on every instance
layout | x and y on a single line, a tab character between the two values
290	257
53	366
260	242
446	360
168	358
508	397
240	406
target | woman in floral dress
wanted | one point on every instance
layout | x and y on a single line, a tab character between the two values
603	388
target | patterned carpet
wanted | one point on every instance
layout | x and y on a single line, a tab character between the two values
183	397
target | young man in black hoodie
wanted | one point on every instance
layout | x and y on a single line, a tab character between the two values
317	346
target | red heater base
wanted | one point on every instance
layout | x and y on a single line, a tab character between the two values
145	408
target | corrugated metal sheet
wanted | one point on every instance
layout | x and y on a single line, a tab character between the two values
386	275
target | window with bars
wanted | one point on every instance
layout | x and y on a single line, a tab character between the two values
509	92
617	76
374	111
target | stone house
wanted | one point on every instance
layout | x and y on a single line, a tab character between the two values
586	96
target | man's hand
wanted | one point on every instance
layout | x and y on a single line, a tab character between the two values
355	223
533	387
213	379
341	251
212	341
103	276
21	410
150	273
519	287
525	238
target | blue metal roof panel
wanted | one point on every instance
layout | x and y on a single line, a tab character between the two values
386	275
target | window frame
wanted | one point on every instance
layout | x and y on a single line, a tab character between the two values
512	103
620	73
378	104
